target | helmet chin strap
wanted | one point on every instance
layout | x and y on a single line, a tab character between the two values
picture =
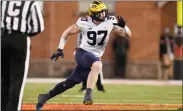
97	22
97	19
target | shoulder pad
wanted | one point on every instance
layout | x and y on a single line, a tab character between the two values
81	21
112	19
84	19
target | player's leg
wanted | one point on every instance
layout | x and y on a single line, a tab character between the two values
170	71
93	75
99	84
165	66
91	81
70	82
89	61
165	70
83	86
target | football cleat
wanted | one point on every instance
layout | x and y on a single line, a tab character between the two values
42	98
88	101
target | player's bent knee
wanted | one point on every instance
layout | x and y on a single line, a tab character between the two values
97	65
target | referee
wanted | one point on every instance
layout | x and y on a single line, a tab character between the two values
19	21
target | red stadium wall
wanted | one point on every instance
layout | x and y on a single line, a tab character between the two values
169	15
58	16
144	19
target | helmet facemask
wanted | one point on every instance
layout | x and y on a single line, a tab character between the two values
100	16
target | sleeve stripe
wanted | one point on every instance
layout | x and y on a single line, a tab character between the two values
38	21
3	4
34	20
24	14
39	17
29	25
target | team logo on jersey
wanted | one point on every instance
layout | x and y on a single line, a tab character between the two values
90	28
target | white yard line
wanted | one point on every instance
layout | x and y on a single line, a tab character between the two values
112	81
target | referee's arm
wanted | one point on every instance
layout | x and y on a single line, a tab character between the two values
37	23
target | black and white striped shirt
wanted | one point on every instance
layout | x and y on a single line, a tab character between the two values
23	16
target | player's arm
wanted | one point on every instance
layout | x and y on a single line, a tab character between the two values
125	32
73	29
121	28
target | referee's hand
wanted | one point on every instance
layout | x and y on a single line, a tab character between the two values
58	53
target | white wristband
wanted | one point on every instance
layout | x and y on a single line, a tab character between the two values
126	29
62	43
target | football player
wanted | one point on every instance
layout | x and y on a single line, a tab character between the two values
96	29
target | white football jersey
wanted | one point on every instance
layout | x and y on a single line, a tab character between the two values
95	37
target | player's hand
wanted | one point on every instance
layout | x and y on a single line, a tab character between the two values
58	53
121	22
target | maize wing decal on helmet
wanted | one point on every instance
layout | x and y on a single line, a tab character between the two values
95	10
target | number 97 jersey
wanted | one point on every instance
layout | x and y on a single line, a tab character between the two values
95	37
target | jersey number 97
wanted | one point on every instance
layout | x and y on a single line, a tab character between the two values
92	35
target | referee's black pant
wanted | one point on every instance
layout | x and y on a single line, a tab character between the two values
15	53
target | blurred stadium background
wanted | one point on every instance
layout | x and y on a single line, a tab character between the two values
146	19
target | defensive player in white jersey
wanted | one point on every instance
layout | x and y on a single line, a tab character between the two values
96	29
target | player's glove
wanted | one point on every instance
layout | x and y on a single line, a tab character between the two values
121	22
58	53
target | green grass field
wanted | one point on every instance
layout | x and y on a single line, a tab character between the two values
115	94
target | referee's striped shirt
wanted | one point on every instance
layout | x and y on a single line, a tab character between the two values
22	16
